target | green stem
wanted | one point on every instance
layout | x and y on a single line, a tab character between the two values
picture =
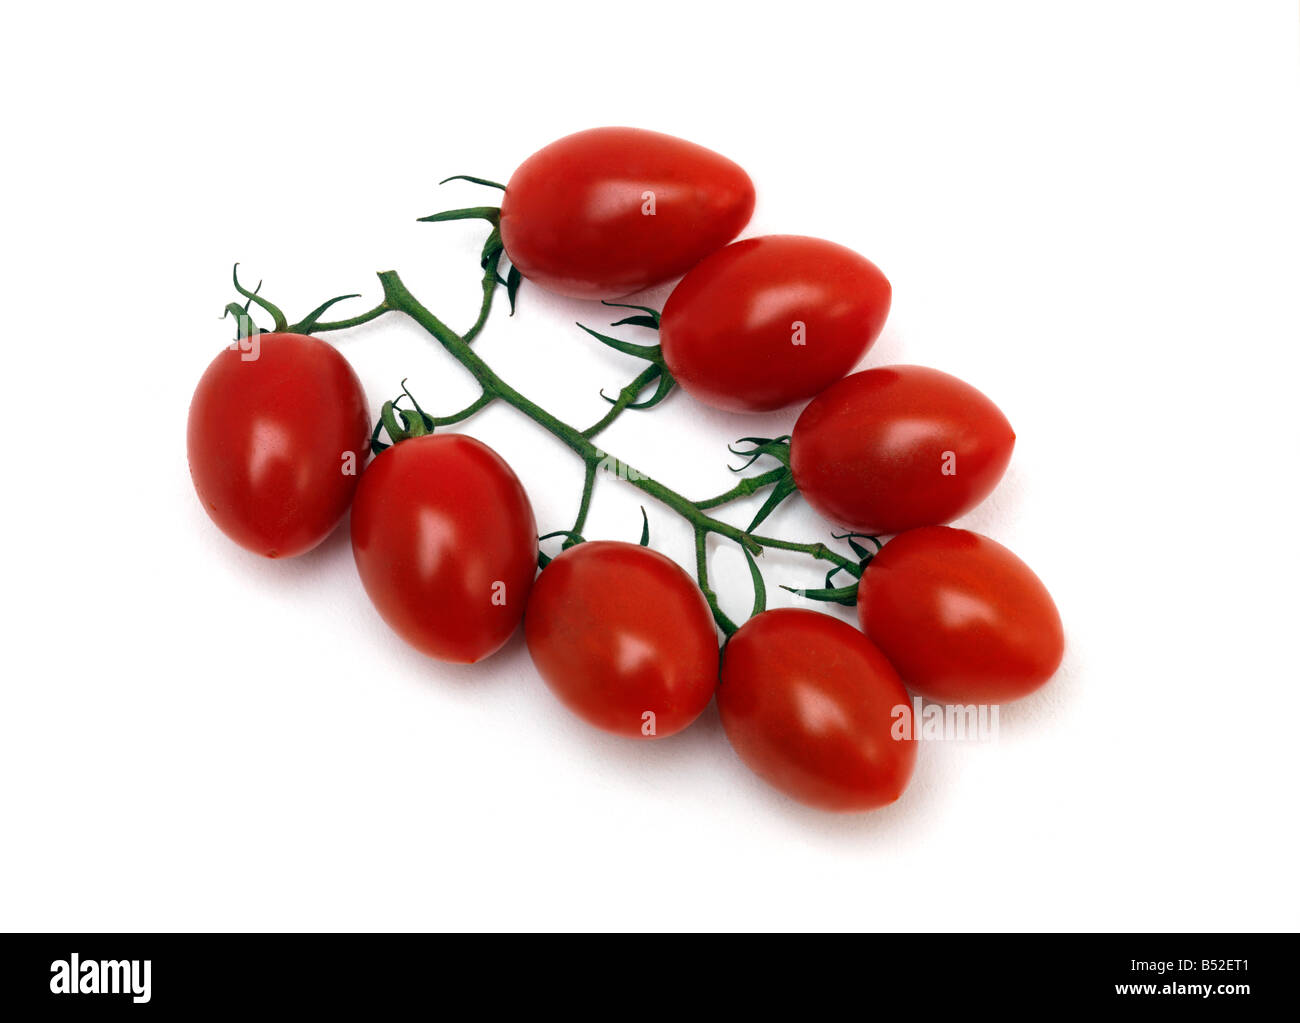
490	282
479	403
354	321
584	506
625	398
817	550
702	577
397	297
749	485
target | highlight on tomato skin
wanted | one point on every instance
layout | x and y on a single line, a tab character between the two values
771	321
810	705
961	617
607	212
624	638
445	542
898	447
277	435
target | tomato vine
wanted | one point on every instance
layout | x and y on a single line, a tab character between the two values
397	298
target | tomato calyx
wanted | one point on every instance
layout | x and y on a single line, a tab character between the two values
493	247
573	538
781	480
477	181
402	424
649	317
656	372
246	327
848	593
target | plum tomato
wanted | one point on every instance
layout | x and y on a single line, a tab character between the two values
278	433
624	638
610	211
446	545
770	321
810	706
890	449
962	618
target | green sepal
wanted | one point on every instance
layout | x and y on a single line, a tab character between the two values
491	254
513	279
662	390
426	419
666	384
575	537
543	559
650	314
847	595
854	571
415	423
645	528
280	322
240	313
377	445
637	321
852	538
473	180
492	214
779	493
760	588
773	447
650	353
313	317
388	420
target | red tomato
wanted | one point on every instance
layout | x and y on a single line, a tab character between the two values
446	545
610	211
278	432
770	321
899	447
624	638
961	617
811	705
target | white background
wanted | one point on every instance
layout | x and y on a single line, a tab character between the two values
1090	211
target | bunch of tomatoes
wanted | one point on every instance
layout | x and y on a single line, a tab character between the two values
446	543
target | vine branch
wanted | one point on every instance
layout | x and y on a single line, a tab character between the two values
398	298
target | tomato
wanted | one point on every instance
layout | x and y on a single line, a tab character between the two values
810	705
610	211
278	432
770	321
894	448
624	638
446	545
961	617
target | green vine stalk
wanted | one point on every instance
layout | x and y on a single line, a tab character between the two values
397	298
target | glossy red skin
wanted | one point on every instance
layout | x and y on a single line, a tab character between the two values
869	452
437	522
572	221
809	704
962	618
266	442
728	328
617	630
